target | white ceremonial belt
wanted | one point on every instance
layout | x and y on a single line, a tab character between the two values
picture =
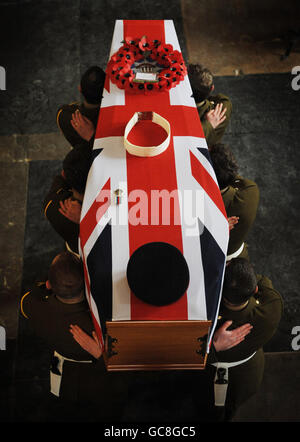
232	364
55	378
235	254
147	151
221	379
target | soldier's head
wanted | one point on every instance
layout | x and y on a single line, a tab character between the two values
201	80
240	282
92	84
224	164
65	277
76	166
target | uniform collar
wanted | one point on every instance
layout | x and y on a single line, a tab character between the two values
203	106
201	103
77	307
241	314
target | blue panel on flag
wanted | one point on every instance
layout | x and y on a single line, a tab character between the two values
205	152
213	264
99	264
95	153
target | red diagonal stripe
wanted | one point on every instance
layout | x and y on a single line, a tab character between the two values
94	214
207	182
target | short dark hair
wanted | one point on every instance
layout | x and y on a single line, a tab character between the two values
239	281
201	80
92	84
66	275
76	166
224	164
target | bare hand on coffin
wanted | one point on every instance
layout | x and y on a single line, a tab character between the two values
225	339
88	343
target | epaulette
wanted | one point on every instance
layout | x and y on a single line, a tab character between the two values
21	304
46	208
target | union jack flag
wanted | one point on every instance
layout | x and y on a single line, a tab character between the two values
108	233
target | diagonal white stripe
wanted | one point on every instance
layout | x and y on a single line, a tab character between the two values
115	96
211	217
111	163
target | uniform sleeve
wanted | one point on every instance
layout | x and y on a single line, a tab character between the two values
63	120
214	136
58	185
270	308
84	144
244	205
208	131
264	318
31	299
64	227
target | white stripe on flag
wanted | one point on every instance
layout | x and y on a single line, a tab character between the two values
191	245
211	216
171	35
181	95
111	163
118	37
115	96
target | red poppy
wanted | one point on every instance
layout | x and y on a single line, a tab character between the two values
114	57
131	41
164	60
176	55
165	49
163	82
178	70
125	55
123	82
118	71
171	77
144	44
151	87
156	43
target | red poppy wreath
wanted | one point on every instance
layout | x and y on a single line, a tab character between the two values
146	66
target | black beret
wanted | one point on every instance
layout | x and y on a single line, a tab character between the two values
158	273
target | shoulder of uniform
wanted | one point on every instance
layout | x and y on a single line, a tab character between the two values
38	293
241	182
68	107
219	97
22	304
64	113
266	289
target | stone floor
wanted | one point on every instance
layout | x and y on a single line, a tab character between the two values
45	46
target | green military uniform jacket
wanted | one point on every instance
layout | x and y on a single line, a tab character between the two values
65	228
241	200
263	312
64	117
50	319
82	383
214	136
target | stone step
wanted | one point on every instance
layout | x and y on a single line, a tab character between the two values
278	398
